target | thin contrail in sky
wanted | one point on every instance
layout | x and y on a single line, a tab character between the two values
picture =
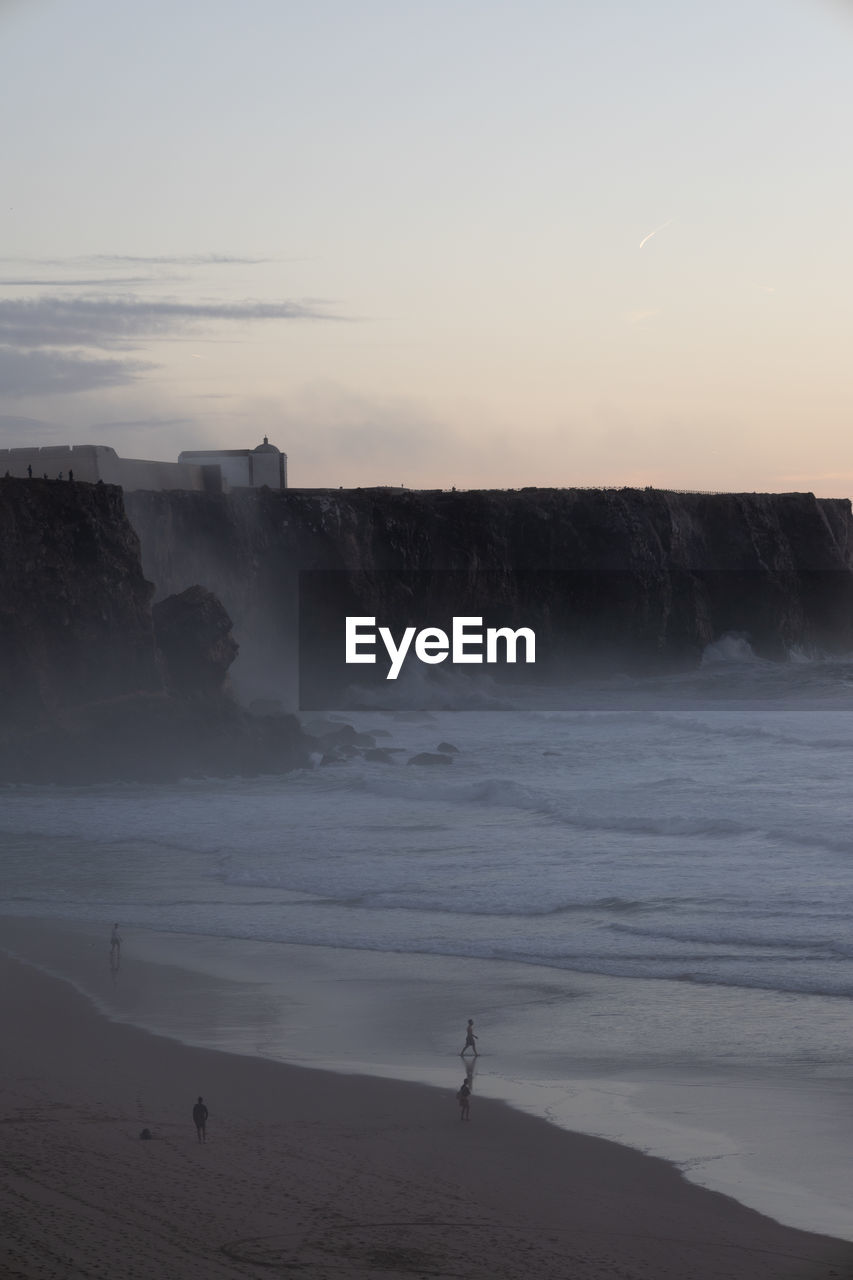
654	233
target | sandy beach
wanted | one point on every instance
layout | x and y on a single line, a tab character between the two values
324	1175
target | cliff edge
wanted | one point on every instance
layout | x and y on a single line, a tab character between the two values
626	579
93	685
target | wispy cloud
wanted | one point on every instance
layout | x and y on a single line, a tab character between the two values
140	423
105	322
161	260
24	373
14	427
57	338
186	260
13	282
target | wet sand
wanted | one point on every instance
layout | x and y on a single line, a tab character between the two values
317	1174
666	1068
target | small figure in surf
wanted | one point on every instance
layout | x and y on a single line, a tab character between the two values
200	1114
470	1039
463	1097
115	949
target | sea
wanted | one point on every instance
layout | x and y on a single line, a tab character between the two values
641	890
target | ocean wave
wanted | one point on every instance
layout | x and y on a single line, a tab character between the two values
753	732
722	936
732	648
811	839
727	670
451	901
432	689
504	793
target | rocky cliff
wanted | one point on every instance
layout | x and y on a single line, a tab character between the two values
617	577
98	681
75	607
94	684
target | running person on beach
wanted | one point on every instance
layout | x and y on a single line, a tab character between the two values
470	1039
200	1114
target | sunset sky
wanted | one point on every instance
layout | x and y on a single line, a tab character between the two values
470	243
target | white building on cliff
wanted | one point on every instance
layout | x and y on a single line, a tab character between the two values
209	470
243	468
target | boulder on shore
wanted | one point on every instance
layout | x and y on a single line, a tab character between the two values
430	758
193	634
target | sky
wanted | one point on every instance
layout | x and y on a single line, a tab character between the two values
476	243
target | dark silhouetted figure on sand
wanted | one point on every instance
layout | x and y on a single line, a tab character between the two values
463	1097
200	1119
470	1039
115	950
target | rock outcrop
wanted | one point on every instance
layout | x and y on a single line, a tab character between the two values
92	686
193	635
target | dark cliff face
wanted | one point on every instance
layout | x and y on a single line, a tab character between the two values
89	690
620	578
75	607
637	575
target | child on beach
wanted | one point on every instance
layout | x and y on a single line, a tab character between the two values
470	1039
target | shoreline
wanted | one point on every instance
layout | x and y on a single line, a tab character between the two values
763	1132
337	1175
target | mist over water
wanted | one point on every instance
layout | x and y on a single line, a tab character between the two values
690	834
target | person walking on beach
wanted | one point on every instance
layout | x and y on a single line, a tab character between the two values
200	1119
115	949
470	1039
463	1097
